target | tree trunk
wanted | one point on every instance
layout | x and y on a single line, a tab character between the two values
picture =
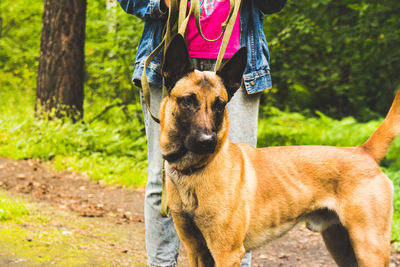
60	78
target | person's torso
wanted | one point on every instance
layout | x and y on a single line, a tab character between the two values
257	75
213	14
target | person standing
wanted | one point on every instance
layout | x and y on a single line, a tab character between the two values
162	242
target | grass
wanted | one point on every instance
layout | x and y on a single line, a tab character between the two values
12	209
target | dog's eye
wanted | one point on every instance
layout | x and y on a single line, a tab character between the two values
219	105
188	101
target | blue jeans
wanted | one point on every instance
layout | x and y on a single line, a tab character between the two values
162	242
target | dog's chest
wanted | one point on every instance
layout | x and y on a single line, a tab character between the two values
188	197
189	200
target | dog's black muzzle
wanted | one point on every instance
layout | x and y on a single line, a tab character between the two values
202	142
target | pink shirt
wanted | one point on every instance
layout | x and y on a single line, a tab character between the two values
213	14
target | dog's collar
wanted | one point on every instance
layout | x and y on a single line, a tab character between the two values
187	171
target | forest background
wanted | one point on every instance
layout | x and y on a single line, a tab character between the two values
335	67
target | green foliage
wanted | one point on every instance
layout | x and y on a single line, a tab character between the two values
113	150
394	175
290	128
19	46
278	128
338	57
20	38
112	37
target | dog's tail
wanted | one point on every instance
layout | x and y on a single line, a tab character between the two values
379	142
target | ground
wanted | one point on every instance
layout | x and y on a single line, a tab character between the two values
85	223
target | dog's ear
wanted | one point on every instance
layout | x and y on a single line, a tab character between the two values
176	63
232	71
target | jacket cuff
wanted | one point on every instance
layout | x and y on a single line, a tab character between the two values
257	81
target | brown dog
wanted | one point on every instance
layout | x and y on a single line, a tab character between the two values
227	198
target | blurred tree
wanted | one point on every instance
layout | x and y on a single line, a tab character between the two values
61	63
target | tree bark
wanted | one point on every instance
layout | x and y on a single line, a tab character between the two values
60	78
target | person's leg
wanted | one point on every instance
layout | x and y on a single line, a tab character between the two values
243	117
162	242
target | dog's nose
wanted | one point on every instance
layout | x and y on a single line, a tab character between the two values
205	143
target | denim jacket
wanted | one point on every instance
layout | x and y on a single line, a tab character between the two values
257	73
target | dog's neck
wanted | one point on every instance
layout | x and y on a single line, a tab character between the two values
187	171
190	165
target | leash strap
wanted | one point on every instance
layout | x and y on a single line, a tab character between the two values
235	5
145	82
164	211
169	28
197	14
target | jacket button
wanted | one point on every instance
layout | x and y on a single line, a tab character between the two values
252	83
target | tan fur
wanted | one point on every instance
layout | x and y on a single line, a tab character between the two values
241	197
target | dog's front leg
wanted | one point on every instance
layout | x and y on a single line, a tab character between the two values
196	247
225	242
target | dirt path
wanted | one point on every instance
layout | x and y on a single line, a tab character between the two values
121	209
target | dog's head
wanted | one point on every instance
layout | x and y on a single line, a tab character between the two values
193	117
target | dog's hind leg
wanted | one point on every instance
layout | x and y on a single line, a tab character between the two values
372	248
337	241
371	244
368	215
